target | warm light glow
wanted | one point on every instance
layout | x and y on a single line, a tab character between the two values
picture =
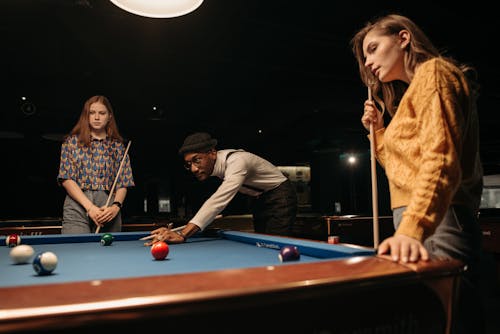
355	259
351	160
158	8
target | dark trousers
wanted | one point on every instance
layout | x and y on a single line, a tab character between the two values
459	236
275	211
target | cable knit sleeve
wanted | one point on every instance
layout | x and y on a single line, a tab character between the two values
425	143
379	146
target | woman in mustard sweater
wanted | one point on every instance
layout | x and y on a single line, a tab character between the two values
429	149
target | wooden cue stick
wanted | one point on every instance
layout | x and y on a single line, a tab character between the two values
178	228
116	179
175	229
374	181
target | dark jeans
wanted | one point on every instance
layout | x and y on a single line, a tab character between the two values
459	236
275	211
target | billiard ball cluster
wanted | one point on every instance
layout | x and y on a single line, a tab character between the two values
43	263
289	253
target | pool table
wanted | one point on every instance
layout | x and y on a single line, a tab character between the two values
222	281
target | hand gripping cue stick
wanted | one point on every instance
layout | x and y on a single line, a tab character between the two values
374	180
116	179
169	226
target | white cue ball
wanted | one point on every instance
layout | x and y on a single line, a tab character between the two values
21	253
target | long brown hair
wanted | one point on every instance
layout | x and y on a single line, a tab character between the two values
418	51
82	127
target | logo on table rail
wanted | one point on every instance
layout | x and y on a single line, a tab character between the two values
266	245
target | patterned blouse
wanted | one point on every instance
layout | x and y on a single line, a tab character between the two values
94	167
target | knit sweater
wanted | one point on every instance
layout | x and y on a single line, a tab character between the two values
430	149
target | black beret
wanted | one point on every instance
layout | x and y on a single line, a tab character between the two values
197	142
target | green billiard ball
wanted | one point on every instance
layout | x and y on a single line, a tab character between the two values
107	239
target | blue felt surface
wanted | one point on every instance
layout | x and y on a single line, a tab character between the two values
83	258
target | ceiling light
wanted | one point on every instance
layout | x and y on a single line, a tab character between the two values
158	8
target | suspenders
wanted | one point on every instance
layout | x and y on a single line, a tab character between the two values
246	185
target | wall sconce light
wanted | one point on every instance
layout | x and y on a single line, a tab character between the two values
158	8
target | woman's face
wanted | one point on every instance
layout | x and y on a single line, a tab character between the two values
384	55
98	117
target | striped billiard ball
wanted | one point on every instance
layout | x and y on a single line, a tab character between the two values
13	240
45	263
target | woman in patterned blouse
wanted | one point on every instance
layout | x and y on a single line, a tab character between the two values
91	155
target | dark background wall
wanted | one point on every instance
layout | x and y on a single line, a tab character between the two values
276	78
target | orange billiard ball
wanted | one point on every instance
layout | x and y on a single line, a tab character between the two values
159	250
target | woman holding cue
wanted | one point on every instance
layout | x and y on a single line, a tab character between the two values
93	161
429	150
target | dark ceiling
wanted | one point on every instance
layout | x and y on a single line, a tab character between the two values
274	77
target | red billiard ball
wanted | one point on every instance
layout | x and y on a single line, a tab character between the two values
289	253
13	240
159	250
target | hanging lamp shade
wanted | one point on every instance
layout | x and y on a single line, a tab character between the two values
158	8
